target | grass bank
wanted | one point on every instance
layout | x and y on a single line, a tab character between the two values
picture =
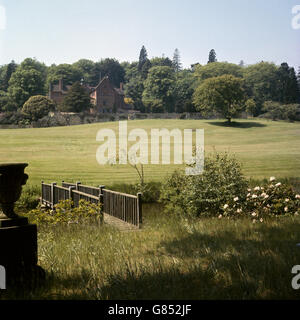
170	259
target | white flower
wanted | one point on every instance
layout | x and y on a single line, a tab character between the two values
226	206
253	221
254	196
236	199
262	188
266	196
297	196
278	184
272	179
256	188
220	216
287	200
263	194
261	219
253	214
286	209
249	194
249	190
296	214
239	210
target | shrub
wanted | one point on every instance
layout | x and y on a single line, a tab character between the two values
277	111
271	199
36	107
205	194
65	213
29	199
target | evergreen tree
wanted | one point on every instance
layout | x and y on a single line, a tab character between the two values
176	61
77	99
143	58
9	70
287	85
212	56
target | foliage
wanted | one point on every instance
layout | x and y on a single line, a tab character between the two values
204	194
278	111
158	93
176	63
212	57
36	107
261	82
76	100
217	69
66	213
224	95
250	107
29	199
113	69
66	72
264	201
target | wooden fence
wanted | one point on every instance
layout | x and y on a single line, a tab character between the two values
125	207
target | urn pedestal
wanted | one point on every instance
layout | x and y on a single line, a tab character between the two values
18	238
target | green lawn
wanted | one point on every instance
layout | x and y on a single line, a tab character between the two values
266	148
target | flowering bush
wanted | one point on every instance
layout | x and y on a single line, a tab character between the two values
65	213
273	198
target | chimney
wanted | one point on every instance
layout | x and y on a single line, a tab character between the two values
121	85
60	84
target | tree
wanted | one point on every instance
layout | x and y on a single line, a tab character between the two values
183	91
67	72
212	57
287	85
161	61
134	86
6	74
36	107
261	82
176	61
88	70
76	100
217	69
159	88
242	64
250	107
224	95
25	83
112	69
142	58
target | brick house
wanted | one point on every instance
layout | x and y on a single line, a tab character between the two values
57	92
105	97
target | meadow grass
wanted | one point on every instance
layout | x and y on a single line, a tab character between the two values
170	258
265	148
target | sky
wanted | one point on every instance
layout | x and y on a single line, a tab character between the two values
64	31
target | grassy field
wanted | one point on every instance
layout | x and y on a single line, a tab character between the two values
266	148
169	259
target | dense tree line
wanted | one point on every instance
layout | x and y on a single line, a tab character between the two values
159	84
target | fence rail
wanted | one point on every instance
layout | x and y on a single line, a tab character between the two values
123	206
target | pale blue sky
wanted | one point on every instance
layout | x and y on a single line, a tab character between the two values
63	31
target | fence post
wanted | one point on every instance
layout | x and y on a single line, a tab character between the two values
52	194
77	184
42	197
139	208
101	198
71	194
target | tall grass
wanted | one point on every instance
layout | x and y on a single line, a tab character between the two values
170	258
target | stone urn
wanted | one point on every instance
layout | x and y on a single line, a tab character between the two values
18	238
12	178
